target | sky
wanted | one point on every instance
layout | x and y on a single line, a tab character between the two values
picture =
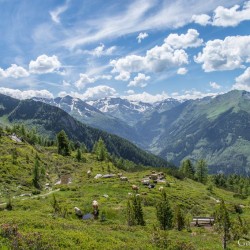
142	50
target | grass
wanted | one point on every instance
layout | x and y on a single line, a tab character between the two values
35	219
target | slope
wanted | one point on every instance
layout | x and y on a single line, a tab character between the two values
50	120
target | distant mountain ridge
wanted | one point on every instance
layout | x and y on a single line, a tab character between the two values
50	120
213	128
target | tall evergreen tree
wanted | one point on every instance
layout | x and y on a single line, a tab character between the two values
134	211
138	210
36	174
201	171
130	213
179	218
223	223
79	155
100	150
164	212
63	143
187	169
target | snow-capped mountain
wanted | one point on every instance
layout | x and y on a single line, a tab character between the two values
92	116
128	111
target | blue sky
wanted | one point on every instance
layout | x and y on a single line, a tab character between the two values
144	50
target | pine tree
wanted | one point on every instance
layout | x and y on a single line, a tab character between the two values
201	171
79	155
130	213
36	174
223	223
134	211
14	156
164	213
63	143
179	218
100	150
187	169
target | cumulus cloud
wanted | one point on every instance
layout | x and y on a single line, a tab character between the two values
55	14
227	54
44	64
231	17
146	97
14	71
192	95
182	71
242	82
189	40
123	76
83	81
214	85
130	92
86	79
94	93
26	94
139	81
202	19
225	17
157	59
141	36
100	51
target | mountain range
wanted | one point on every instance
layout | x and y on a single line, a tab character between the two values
213	128
49	120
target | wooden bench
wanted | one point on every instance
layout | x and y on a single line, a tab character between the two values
203	221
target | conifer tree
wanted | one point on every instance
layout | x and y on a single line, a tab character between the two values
130	213
138	210
187	169
223	223
164	212
79	155
63	143
36	174
134	211
179	218
201	171
100	150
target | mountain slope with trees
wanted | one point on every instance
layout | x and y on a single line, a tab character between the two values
49	120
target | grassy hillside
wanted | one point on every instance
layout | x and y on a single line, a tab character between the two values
40	228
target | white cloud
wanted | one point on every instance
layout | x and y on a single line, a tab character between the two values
141	36
189	40
83	81
100	51
135	17
214	85
103	77
66	84
231	17
130	92
26	94
225	17
242	82
192	95
123	76
139	81
94	93
202	19
45	64
157	59
55	14
146	97
14	71
227	54
182	71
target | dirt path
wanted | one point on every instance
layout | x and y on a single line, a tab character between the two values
35	196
